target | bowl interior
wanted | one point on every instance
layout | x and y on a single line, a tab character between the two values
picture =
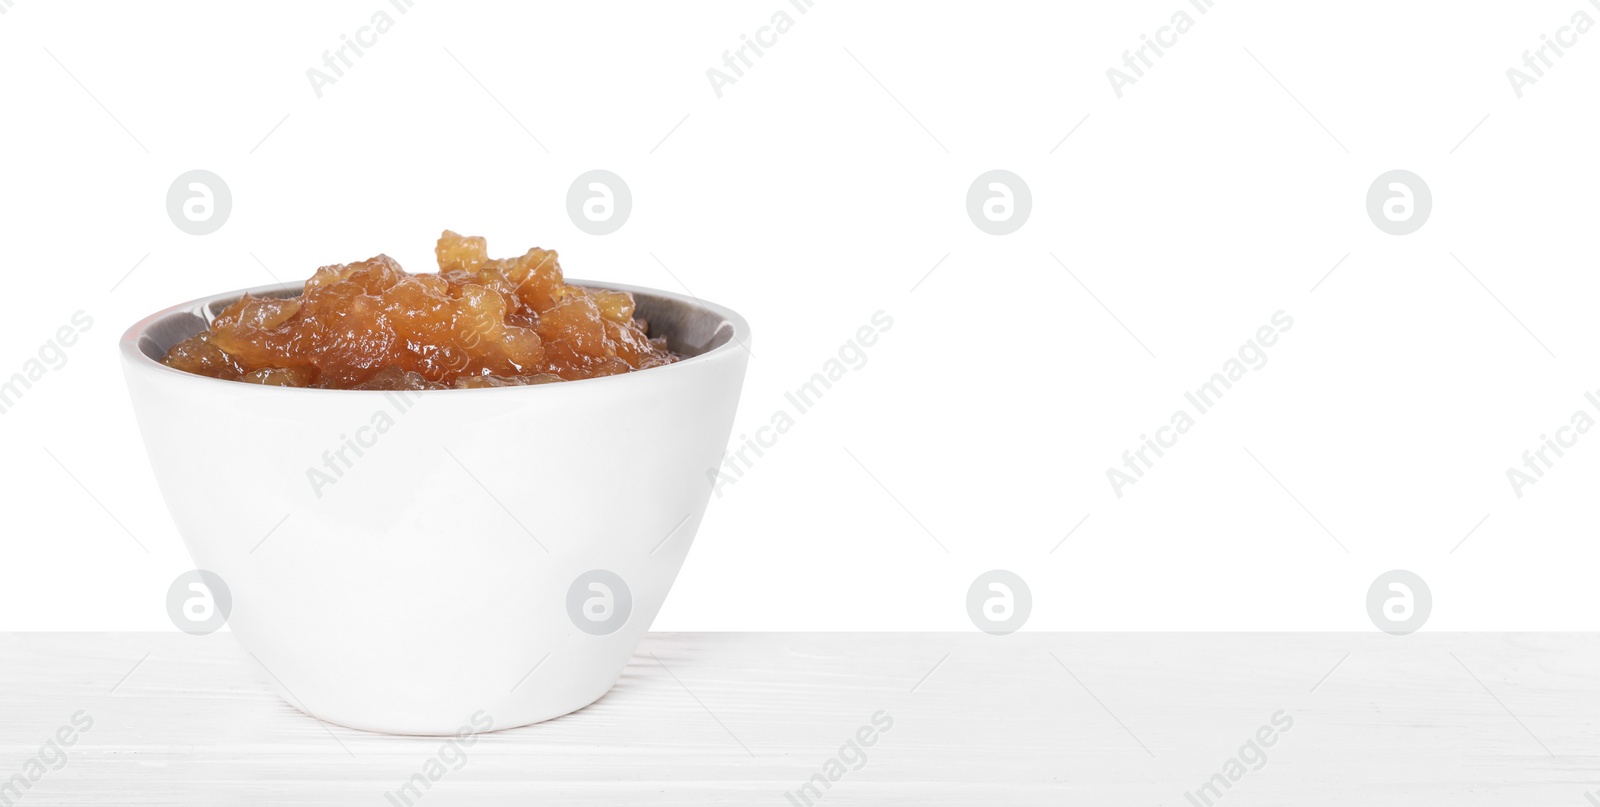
691	327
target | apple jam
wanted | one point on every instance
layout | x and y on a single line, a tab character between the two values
478	322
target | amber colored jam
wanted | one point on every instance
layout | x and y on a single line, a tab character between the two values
478	322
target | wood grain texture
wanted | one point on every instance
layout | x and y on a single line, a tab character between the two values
1458	719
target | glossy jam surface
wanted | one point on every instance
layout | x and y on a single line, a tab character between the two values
478	322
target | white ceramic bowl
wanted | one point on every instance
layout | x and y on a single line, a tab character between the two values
437	575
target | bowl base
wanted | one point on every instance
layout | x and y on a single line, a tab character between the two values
402	730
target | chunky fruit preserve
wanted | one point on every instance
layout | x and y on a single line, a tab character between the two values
478	322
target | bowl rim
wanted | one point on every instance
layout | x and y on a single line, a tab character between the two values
133	357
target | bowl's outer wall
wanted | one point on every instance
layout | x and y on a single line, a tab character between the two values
426	580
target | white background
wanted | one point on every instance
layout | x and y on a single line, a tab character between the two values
807	198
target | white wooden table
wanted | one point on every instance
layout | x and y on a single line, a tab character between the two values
1097	719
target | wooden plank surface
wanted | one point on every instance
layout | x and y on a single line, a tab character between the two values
1458	719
